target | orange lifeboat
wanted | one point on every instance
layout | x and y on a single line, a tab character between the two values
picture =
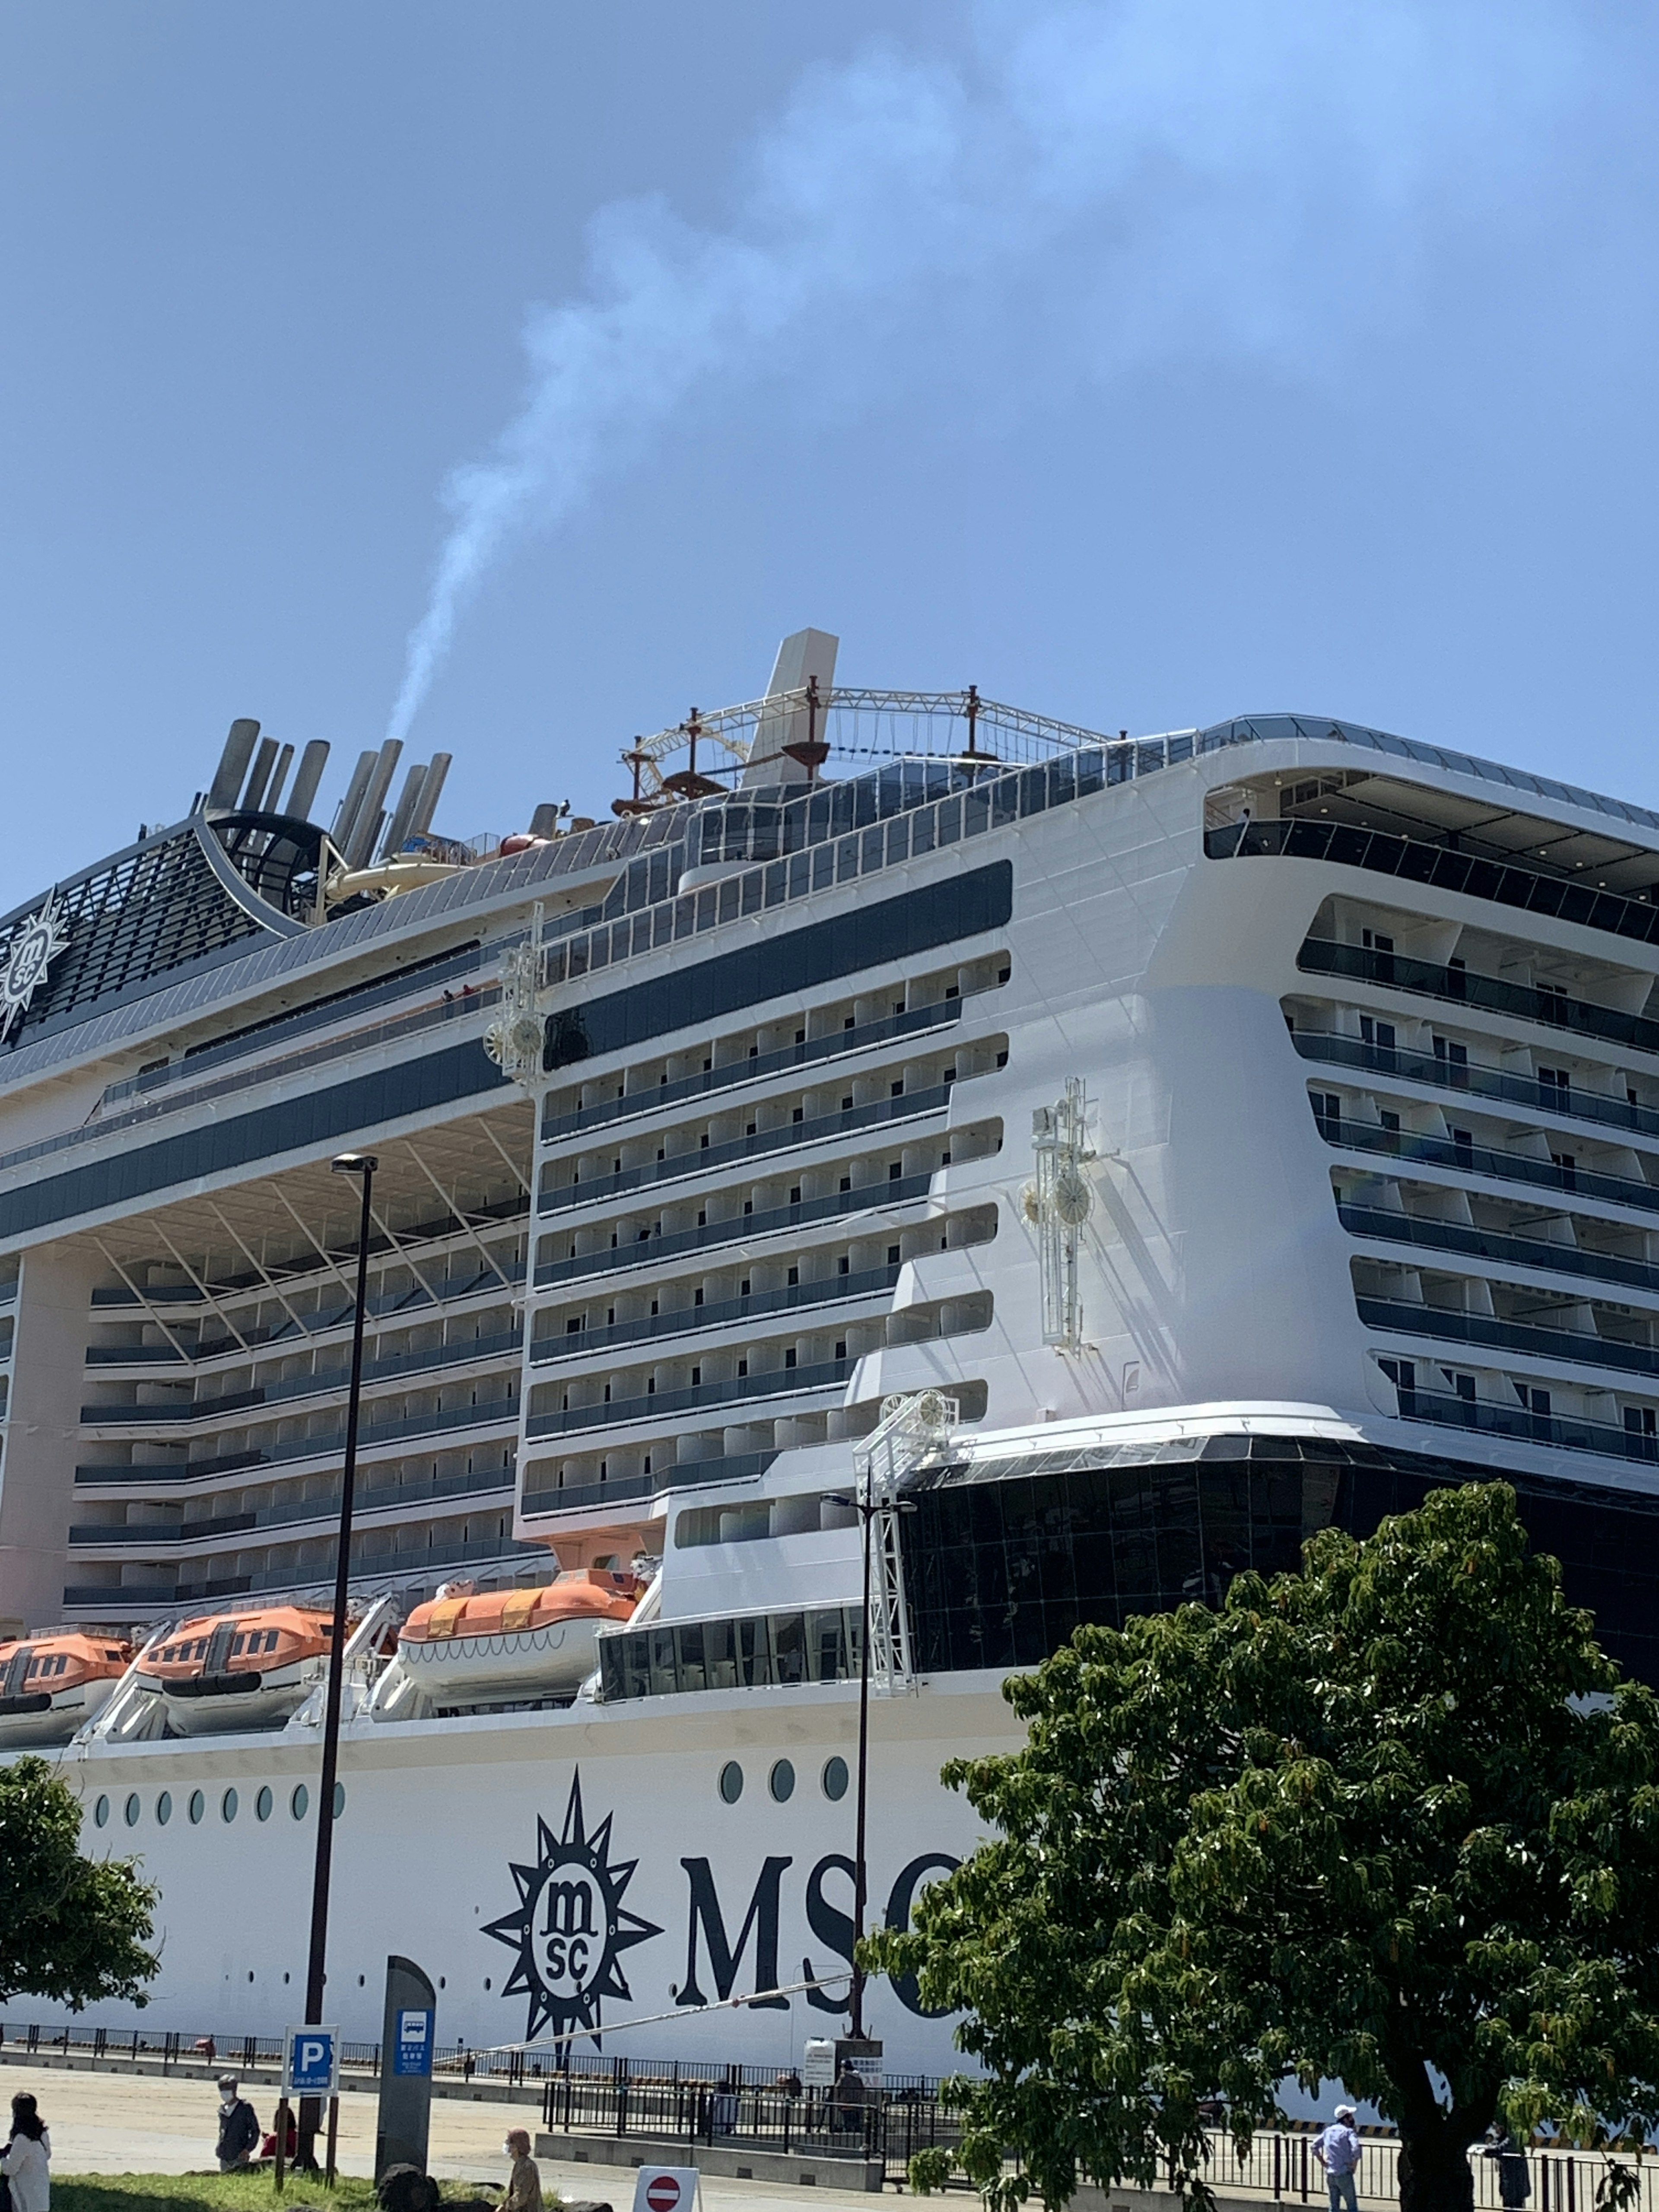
239	1670
50	1684
502	1645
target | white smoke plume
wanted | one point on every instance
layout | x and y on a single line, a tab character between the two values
1129	179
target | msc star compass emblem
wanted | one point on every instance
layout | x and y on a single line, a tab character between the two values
570	1929
35	944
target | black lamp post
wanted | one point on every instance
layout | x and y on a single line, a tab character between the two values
362	1165
868	1511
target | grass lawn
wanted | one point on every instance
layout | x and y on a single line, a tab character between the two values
222	2192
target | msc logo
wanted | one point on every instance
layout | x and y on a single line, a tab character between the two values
570	1929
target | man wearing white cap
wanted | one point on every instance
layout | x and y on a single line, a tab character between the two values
1337	2149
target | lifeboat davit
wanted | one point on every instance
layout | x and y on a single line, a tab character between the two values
50	1684
500	1645
239	1670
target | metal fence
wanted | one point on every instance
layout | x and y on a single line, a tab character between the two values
1279	2166
886	2129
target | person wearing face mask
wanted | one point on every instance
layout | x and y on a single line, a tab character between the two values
23	2162
523	2183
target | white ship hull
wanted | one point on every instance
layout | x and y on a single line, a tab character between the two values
723	1899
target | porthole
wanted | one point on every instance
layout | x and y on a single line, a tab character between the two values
163	1809
298	1803
834	1778
227	1806
781	1781
131	1809
198	1807
262	1805
730	1782
101	1812
339	1799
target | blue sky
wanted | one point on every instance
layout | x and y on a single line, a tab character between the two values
1142	360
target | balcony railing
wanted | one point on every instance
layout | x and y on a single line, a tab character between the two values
731	1390
736	1229
1571	1347
1476	1082
1411	1145
399	1499
913	1023
1417	862
1561	1432
437	1423
629	1489
1536	1252
1459	986
791	1136
827	1290
314	1385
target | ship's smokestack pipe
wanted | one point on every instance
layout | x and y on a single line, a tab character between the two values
404	813
254	792
345	814
367	826
313	760
431	791
278	778
233	765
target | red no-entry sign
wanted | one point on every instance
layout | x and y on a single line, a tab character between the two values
662	2193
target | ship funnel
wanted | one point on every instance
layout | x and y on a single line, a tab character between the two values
431	791
254	792
233	765
806	657
404	813
365	824
278	778
346	814
313	760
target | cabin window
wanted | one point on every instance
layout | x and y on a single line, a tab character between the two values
834	1779
131	1809
299	1801
227	1806
238	1647
198	1807
163	1809
263	1803
730	1782
339	1799
101	1812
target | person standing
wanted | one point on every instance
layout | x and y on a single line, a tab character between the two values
239	2128
523	2183
1337	2149
24	2160
1514	2183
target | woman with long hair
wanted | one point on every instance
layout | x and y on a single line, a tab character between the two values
24	2160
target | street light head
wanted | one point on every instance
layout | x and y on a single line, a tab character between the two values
355	1164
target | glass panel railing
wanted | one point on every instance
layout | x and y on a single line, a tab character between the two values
828	1290
733	1390
1575	1347
1568	1101
570	1497
1458	985
314	1385
1411	1146
1561	1432
1392	1227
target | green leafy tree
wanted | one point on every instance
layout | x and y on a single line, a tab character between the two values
1393	1821
72	1929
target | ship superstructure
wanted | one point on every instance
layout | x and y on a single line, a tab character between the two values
1136	1153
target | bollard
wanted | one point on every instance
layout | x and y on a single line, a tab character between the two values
281	2144
333	2141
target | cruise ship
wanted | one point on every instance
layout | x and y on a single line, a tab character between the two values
1110	1158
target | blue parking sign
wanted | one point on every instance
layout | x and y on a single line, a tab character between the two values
311	2062
413	2055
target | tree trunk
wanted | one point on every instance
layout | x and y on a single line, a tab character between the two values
1435	2174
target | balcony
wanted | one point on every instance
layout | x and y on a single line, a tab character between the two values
736	1229
733	1390
118	1601
1534	1252
308	1386
789	1137
1476	1082
1456	985
389	1498
827	1290
505	1275
1556	1431
1411	1145
634	1489
440	1422
916	1022
1416	861
1564	1346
